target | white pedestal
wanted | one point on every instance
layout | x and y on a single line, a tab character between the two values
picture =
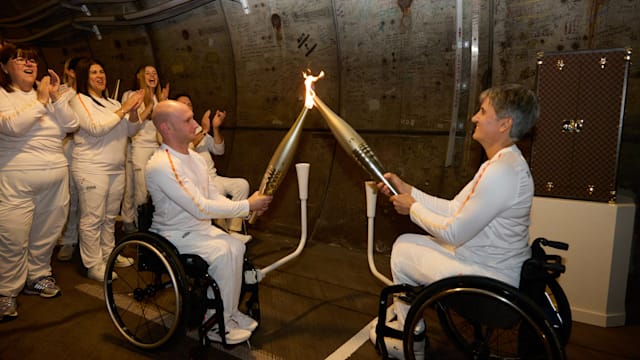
599	237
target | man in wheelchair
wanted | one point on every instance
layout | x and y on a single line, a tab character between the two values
186	200
484	230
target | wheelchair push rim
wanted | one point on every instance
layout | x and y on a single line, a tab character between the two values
145	300
500	323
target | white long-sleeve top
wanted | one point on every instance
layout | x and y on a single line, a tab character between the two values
205	148
147	136
30	133
101	141
183	194
488	221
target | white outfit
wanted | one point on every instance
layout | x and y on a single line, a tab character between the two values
484	230
142	146
236	188
34	183
98	170
185	201
70	234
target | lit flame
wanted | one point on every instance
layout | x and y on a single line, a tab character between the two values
308	82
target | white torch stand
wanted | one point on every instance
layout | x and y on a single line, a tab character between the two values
302	170
371	191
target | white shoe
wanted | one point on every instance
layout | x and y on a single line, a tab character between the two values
394	346
97	273
122	261
243	238
66	252
233	335
244	321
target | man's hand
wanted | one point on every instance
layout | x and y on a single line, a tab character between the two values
259	203
402	203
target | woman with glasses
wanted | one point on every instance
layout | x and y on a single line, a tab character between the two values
34	179
98	162
143	144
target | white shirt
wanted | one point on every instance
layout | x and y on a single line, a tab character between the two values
488	221
184	196
30	133
101	141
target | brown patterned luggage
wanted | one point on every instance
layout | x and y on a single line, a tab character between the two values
577	138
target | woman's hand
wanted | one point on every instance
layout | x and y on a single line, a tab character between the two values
399	184
54	86
164	94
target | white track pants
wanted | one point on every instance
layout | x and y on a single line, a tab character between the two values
70	235
238	189
99	199
420	260
33	209
225	256
136	192
128	211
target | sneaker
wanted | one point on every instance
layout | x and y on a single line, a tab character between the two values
97	273
243	238
129	227
244	321
8	308
234	334
66	252
122	261
393	345
45	287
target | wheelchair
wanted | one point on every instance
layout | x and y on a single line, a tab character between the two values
164	293
475	317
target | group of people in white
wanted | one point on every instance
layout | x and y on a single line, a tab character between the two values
119	153
72	160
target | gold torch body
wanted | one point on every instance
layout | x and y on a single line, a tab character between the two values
281	159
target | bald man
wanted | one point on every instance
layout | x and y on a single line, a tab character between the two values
186	200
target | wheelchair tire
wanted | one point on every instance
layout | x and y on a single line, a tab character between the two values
146	300
479	318
557	308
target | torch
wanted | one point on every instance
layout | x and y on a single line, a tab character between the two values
353	144
282	157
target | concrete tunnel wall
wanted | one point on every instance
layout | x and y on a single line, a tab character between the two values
390	73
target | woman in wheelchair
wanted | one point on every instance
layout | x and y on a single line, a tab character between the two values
484	230
185	201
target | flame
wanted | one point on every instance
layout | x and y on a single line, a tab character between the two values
308	82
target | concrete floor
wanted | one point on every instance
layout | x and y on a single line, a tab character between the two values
310	307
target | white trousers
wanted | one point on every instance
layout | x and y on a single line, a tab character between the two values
421	260
33	209
138	186
237	189
225	256
127	211
99	198
70	234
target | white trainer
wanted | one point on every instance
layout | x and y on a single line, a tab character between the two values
394	346
234	335
122	261
66	252
97	273
244	321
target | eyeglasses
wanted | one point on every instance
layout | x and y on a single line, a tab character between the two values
23	61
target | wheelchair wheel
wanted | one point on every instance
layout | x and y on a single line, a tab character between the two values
557	309
479	318
145	301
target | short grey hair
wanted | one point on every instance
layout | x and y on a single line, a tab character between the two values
518	103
